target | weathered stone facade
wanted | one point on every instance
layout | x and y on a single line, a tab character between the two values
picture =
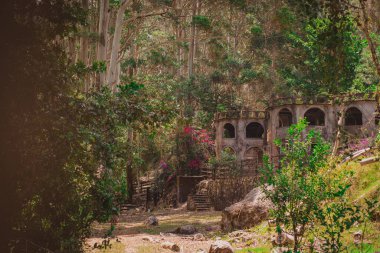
249	134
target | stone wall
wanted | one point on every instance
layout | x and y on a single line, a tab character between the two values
273	128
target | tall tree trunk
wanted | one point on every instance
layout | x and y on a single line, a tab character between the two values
180	37
71	42
136	59
192	41
113	70
130	172
83	53
101	50
339	130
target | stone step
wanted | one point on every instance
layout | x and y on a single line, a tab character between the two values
200	198
203	206
201	202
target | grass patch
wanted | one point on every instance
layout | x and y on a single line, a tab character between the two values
367	248
254	250
366	181
262	229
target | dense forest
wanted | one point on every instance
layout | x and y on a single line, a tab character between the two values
96	93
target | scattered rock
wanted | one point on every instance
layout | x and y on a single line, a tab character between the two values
358	236
170	245
151	221
201	251
252	210
241	236
282	239
147	238
199	237
186	230
272	223
221	247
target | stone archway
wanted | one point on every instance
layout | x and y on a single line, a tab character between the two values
315	117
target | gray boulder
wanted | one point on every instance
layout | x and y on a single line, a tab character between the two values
221	247
186	230
251	211
151	221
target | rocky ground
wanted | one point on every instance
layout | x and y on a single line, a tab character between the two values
135	236
179	230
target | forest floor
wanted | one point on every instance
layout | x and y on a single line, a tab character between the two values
131	232
131	235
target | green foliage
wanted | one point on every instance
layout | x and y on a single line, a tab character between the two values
129	89
328	56
256	30
99	67
159	56
338	215
286	17
297	188
308	189
247	75
226	159
202	21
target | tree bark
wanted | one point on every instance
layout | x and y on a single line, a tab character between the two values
192	41
101	50
112	72
83	53
339	131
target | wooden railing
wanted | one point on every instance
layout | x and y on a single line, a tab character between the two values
243	168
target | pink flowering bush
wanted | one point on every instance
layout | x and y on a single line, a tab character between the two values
359	144
195	146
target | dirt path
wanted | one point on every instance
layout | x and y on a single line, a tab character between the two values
131	230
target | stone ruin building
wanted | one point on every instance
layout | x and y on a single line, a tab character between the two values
249	134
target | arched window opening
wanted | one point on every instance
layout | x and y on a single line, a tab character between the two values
254	153
254	130
315	117
229	131
285	118
353	117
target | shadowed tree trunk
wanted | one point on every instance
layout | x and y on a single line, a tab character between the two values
101	54
192	40
113	70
